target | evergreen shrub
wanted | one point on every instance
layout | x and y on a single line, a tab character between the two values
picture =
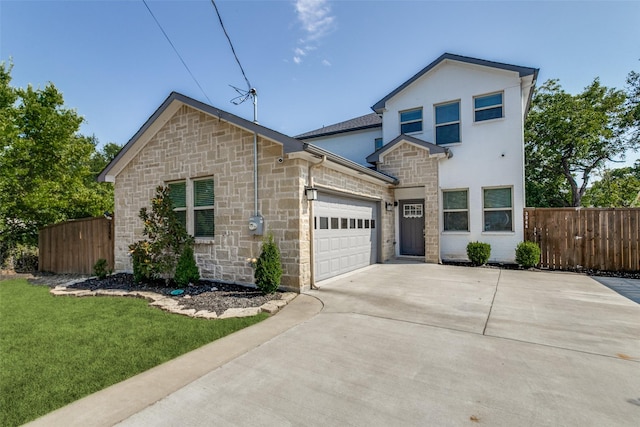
527	254
187	269
268	268
478	252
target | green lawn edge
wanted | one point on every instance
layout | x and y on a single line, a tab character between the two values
55	350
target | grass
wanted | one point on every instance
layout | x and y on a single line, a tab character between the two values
55	350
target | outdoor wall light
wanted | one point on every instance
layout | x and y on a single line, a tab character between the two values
388	206
311	193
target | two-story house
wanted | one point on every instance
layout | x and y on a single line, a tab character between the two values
473	108
438	164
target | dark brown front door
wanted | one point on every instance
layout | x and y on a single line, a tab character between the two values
412	227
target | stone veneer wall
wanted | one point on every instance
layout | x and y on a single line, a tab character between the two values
413	167
191	145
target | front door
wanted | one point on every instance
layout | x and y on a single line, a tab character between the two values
412	227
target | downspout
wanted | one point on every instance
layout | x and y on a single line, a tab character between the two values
255	152
312	260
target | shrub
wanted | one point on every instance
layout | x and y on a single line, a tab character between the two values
527	254
478	252
187	269
101	269
21	259
156	256
268	267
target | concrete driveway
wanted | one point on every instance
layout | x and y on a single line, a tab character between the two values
405	344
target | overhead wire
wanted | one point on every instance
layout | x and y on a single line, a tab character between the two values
178	53
249	87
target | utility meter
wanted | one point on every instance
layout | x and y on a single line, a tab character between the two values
256	225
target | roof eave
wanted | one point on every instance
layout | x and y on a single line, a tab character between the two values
337	132
173	102
312	149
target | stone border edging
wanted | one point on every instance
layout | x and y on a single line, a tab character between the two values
170	305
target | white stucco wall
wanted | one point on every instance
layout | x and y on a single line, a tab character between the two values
355	146
490	154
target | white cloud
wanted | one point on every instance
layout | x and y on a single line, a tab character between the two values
326	63
315	17
317	21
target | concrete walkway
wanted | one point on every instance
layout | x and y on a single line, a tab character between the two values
407	344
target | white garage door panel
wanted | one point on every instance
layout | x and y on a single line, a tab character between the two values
344	237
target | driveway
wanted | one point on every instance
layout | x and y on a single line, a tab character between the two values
407	344
629	288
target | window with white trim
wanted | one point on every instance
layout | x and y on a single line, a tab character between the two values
455	210
487	107
448	123
498	209
411	121
193	203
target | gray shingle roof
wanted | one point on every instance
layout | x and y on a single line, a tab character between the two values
368	121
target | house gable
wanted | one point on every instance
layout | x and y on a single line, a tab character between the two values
167	110
432	149
523	72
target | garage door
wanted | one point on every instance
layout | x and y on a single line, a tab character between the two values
345	235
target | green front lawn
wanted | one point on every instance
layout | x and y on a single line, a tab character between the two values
55	350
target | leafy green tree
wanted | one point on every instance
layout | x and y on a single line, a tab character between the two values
569	137
156	255
618	188
46	171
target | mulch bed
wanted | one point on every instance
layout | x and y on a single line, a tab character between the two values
205	295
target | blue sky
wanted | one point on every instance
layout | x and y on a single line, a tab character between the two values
313	63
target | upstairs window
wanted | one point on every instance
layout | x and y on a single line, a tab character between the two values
448	123
487	107
411	121
378	144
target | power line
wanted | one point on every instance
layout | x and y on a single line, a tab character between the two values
178	53
249	87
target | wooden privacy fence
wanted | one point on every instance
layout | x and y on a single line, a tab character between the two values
585	238
75	246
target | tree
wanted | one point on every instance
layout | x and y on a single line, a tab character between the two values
46	166
618	188
569	137
165	239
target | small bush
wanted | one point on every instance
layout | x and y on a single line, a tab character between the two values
527	254
101	269
22	259
478	252
187	269
268	267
